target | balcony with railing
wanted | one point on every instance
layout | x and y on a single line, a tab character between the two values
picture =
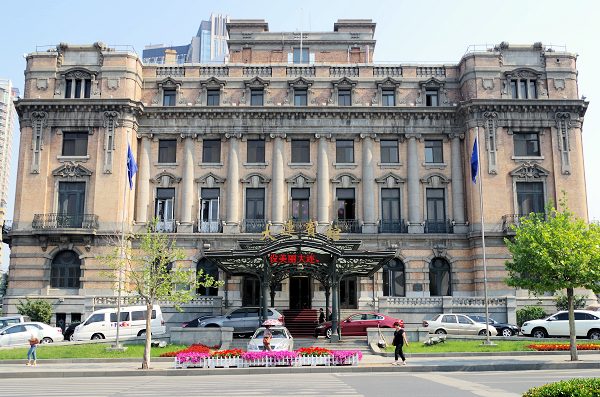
253	225
55	221
215	226
392	226
348	225
444	226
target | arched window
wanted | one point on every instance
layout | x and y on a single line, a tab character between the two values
65	270
210	268
440	283
394	280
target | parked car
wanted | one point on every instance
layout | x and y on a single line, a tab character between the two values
243	320
456	324
68	332
102	324
357	324
19	334
503	329
195	323
587	325
282	339
7	320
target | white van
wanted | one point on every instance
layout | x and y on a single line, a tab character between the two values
102	324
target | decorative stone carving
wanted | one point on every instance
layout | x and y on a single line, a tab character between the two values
529	172
487	84
490	126
110	123
300	180
210	180
72	171
38	121
559	84
563	127
41	84
256	180
390	180
435	180
165	179
346	180
112	84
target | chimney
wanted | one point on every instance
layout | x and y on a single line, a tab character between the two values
170	56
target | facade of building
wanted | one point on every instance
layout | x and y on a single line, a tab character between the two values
292	132
208	46
8	94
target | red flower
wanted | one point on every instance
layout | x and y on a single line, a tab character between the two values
562	346
195	348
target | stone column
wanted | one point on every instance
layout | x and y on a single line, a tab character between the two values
187	195
232	223
368	186
458	196
323	200
143	181
414	194
278	195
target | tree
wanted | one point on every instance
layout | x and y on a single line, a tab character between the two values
3	283
36	310
151	272
555	251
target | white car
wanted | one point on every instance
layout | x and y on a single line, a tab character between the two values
587	324
456	324
19	334
282	339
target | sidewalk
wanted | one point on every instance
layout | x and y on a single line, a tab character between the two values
370	363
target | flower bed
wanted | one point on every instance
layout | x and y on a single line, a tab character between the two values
196	348
549	347
191	359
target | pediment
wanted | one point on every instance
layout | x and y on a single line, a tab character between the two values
344	82
435	180
166	179
210	180
300	180
431	82
256	179
346	179
213	82
79	74
300	82
388	82
390	180
529	172
256	82
169	82
523	73
71	170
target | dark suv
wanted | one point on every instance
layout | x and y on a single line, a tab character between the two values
244	320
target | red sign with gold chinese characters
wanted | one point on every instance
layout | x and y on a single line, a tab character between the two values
293	259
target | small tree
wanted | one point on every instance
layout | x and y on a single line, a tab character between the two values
36	310
151	272
555	251
562	301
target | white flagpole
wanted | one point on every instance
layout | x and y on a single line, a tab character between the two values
485	292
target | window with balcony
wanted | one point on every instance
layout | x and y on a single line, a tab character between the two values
169	97
301	55
75	143
432	97
255	210
71	204
526	144
391	221
530	197
434	152
167	150
256	151
440	283
523	88
394	279
209	210
344	151
164	209
65	270
213	97
389	151
300	202
257	97
211	151
300	97
209	268
436	211
300	151
388	97
346	210
344	97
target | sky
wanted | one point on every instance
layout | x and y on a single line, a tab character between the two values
406	32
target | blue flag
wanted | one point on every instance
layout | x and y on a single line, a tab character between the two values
474	162
132	167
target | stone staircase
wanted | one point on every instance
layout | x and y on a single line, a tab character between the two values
301	323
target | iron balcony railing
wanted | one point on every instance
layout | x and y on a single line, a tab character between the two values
514	220
392	226
7	226
210	226
65	221
166	227
348	225
438	226
253	225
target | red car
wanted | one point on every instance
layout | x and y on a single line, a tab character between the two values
357	324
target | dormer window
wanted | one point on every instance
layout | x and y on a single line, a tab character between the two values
78	85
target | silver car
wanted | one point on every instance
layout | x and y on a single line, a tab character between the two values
282	339
243	320
19	334
456	324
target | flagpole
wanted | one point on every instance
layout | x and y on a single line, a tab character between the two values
485	292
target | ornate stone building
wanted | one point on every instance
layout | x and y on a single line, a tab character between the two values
292	128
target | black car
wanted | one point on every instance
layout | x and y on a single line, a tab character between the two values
504	329
68	332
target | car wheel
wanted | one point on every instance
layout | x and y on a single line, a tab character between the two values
594	334
539	333
71	338
97	337
46	340
482	333
328	333
441	332
507	332
142	333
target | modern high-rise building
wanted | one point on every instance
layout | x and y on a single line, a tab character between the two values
300	173
8	93
208	46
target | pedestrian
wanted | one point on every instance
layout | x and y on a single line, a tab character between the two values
321	316
267	336
329	314
399	341
31	354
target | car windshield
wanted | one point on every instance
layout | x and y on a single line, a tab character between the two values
277	333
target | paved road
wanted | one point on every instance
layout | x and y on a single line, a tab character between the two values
447	384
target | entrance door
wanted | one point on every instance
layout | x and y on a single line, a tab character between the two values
300	294
250	291
348	293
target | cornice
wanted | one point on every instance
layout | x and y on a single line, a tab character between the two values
577	106
123	106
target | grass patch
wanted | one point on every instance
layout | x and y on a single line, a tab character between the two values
95	350
459	346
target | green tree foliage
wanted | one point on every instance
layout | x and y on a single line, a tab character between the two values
555	251
562	302
36	310
3	283
529	313
151	272
579	387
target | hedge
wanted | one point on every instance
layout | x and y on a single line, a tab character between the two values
578	387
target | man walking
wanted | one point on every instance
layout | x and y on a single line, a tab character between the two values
399	341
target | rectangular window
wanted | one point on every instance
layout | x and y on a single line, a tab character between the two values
300	98
532	91
256	151
526	144
167	149
344	98
346	204
169	97
300	151
255	203
344	151
388	98
257	97
530	197
389	151
213	97
211	151
523	89
390	204
73	88
513	89
71	204
164	209
301	55
300	203
431	97
436	211
209	210
434	151
75	143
